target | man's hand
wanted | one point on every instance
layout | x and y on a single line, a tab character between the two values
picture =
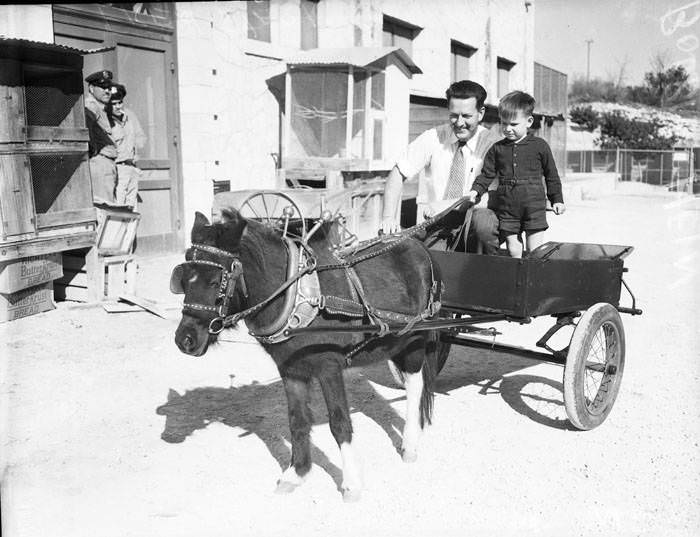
559	208
390	225
473	196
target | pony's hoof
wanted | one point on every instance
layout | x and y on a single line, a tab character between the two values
351	496
409	456
285	487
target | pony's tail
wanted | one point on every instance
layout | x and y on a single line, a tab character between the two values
429	369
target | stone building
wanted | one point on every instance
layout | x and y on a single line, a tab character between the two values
207	81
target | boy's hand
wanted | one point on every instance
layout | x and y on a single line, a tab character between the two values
559	208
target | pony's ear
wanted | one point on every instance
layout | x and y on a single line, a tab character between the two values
200	220
230	215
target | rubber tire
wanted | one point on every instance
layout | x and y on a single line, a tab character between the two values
578	409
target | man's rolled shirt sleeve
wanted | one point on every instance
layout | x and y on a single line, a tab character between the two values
417	156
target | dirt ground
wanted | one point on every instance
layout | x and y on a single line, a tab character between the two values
108	430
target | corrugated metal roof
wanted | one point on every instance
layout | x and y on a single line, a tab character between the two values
356	56
41	45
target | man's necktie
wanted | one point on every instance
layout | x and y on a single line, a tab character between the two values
455	184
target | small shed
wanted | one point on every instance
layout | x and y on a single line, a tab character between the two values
46	204
346	109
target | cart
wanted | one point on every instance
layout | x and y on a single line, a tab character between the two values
577	285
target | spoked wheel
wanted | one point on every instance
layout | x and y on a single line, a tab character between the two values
276	210
594	366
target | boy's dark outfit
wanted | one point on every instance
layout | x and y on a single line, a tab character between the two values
520	197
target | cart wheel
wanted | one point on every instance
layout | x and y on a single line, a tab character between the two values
273	209
594	366
443	352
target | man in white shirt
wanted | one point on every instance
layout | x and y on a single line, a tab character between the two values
451	157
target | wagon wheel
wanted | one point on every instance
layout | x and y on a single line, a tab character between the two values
443	352
594	366
274	209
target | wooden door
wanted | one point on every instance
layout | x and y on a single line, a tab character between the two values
143	59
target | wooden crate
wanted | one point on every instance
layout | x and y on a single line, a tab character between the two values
116	230
29	271
26	302
110	277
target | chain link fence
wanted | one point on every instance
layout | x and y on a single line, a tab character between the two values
674	168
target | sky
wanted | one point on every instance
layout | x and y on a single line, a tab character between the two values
625	33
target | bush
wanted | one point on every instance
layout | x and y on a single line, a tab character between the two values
585	116
620	131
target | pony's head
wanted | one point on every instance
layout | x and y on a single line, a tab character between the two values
211	278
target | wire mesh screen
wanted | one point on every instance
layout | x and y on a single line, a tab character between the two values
53	99
61	182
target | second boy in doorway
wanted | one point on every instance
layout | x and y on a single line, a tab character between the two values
519	162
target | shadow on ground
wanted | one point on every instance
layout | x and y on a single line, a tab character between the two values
261	409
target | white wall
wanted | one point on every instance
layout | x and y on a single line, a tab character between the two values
213	35
34	22
494	27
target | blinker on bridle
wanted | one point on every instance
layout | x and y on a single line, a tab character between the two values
230	274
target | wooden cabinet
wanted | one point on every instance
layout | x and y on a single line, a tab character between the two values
45	190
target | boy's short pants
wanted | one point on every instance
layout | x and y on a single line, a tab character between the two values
521	206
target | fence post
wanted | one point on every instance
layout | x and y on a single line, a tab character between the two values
617	163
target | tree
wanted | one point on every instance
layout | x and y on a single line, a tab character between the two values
664	86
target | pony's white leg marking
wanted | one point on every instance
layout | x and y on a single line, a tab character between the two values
289	481
352	478
413	382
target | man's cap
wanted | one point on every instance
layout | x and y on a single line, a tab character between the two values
118	92
100	78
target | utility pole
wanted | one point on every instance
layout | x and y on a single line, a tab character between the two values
588	59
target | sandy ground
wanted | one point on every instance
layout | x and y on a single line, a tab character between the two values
108	430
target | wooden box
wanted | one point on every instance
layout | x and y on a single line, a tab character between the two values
26	302
116	230
29	271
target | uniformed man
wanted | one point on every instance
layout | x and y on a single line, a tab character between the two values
128	136
102	150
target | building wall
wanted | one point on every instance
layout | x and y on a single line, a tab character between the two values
34	22
238	145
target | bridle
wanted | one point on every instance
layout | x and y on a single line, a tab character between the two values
231	273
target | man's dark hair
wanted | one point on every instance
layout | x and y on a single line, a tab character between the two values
466	89
514	102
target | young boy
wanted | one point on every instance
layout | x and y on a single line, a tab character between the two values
519	162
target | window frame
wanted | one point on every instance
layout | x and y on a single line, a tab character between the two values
503	68
457	50
394	27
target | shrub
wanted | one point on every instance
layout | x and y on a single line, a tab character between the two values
585	116
620	131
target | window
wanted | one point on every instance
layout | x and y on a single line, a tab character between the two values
460	55
504	66
259	20
397	33
319	114
309	24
